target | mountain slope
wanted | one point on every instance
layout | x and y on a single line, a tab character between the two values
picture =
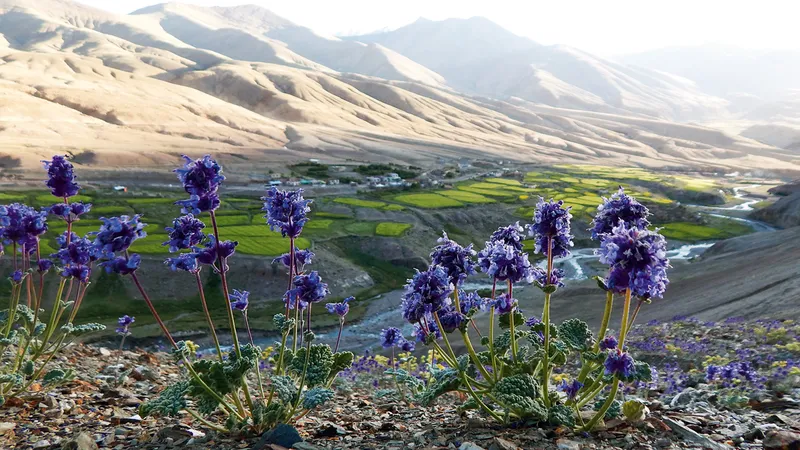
478	56
136	91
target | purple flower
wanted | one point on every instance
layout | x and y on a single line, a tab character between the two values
201	179
44	265
506	263
455	259
407	346
291	300
426	292
532	321
340	309
422	332
211	252
509	235
451	319
20	223
301	258
608	343
117	234
638	260
504	304
17	276
77	271
571	389
122	265
185	232
711	372
184	261
619	364
69	212
471	301
556	277
551	227
123	323
286	210
309	288
391	337
80	251
61	177
239	300
619	207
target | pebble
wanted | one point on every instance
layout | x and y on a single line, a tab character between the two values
566	444
470	446
44	443
781	440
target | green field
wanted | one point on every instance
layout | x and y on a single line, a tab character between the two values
10	198
465	196
496	192
360	228
48	199
428	201
504	181
360	202
691	232
110	211
391	228
150	201
318	224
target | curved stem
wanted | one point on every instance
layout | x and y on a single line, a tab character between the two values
635	313
205	422
588	367
258	356
208	314
475	359
339	336
602	412
546	321
153	310
624	325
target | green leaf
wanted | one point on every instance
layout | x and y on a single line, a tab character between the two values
613	411
169	402
285	388
634	411
82	330
315	397
519	394
319	367
446	380
341	361
561	415
27	368
576	334
505	320
57	376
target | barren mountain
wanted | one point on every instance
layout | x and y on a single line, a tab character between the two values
138	90
478	56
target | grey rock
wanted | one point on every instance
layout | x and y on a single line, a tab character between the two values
470	446
82	441
283	435
781	440
502	444
566	444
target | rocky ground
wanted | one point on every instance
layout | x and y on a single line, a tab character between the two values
757	409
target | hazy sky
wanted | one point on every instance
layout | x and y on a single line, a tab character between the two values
605	27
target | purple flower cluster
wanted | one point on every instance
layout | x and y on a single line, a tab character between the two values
124	323
451	319
186	262
70	212
556	277
286	210
393	337
504	304
619	364
239	300
455	259
340	309
185	232
308	288
620	207
301	258
471	301
201	179
732	373
117	234
122	265
638	260
22	225
608	343
61	177
426	293
213	251
504	262
571	389
509	235
551	228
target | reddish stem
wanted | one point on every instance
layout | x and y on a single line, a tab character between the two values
153	310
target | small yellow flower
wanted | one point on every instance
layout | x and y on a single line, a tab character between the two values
671	348
779	364
192	347
794	371
559	377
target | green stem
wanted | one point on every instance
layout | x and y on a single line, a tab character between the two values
478	400
624	325
546	321
258	356
491	343
489	379
205	422
588	367
635	313
602	412
452	354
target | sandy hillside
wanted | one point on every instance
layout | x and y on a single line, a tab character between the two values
136	91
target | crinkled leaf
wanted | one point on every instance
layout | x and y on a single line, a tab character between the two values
83	329
285	388
341	361
613	411
519	394
446	380
315	397
576	334
505	320
319	367
168	403
57	376
403	377
561	415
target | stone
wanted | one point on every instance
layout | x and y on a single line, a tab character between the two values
781	440
142	373
306	446
502	444
7	426
470	446
283	435
566	444
331	429
82	441
104	352
44	443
